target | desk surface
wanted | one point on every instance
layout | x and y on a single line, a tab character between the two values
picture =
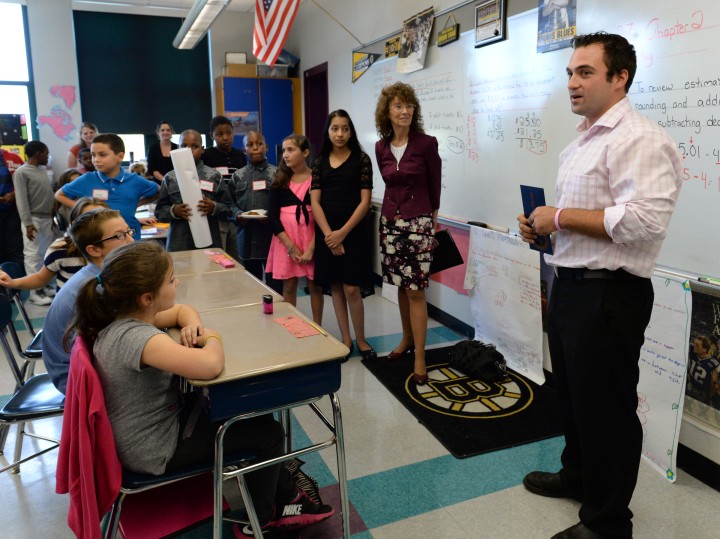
197	262
255	344
222	289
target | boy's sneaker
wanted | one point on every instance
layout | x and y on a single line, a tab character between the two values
38	298
49	290
299	513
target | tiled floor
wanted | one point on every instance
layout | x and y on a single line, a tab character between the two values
402	482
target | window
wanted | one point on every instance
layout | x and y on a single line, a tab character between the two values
15	74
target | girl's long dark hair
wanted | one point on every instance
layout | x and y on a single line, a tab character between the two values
327	145
284	172
128	272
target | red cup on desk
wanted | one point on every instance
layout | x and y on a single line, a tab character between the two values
267	300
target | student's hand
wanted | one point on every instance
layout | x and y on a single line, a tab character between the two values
147	221
206	206
335	238
527	232
241	221
31	232
338	251
307	256
6	280
182	211
189	335
295	253
9	198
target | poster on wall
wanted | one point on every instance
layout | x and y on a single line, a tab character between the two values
414	41
392	47
556	24
490	21
702	385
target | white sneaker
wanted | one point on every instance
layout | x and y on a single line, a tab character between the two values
49	290
38	298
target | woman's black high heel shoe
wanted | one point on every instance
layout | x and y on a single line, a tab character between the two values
352	348
407	353
368	354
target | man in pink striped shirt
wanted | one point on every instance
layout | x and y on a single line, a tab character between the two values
616	190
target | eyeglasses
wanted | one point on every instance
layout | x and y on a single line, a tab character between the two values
397	107
120	236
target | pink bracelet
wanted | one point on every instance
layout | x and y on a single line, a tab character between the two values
557	219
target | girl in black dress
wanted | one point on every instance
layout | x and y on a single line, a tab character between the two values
341	189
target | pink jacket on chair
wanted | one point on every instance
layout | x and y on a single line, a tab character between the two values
88	466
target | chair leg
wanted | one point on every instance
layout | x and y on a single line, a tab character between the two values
18	445
4	429
114	520
24	314
249	507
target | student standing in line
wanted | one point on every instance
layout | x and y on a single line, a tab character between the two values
11	240
62	259
250	189
140	369
410	166
159	161
62	213
617	186
34	199
88	131
170	207
226	159
121	190
341	190
290	214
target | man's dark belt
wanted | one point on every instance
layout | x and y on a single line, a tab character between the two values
579	274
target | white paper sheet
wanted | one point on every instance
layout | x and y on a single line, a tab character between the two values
503	276
663	365
189	183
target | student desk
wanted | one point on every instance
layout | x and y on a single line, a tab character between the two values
197	262
221	289
269	370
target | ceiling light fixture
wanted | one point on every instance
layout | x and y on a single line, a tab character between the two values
196	24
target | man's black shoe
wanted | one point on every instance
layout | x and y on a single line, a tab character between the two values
551	485
578	531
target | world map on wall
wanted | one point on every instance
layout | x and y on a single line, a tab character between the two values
60	122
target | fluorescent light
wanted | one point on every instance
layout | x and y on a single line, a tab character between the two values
196	24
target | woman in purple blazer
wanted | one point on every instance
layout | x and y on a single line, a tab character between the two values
410	166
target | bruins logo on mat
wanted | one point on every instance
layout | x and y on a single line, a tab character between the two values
451	392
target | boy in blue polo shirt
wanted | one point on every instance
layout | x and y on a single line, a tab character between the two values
123	191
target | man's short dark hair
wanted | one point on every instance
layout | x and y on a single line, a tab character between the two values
618	53
34	147
219	120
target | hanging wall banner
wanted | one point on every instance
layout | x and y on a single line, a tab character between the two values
450	32
414	41
361	62
392	47
556	24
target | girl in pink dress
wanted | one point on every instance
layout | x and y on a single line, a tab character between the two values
290	213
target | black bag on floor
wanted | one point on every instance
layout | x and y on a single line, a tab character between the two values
478	360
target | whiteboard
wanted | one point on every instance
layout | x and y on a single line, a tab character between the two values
501	114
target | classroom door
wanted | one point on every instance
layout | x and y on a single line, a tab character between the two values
316	104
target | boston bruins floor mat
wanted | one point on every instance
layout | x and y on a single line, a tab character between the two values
469	416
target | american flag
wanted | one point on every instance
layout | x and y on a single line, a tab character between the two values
273	20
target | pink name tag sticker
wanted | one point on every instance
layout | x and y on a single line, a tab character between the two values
259	185
225	171
206	185
101	194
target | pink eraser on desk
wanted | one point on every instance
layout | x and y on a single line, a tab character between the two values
223	261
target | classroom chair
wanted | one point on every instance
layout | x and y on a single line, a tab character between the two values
14	271
33	399
86	405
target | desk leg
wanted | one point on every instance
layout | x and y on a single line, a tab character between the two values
287	427
342	471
